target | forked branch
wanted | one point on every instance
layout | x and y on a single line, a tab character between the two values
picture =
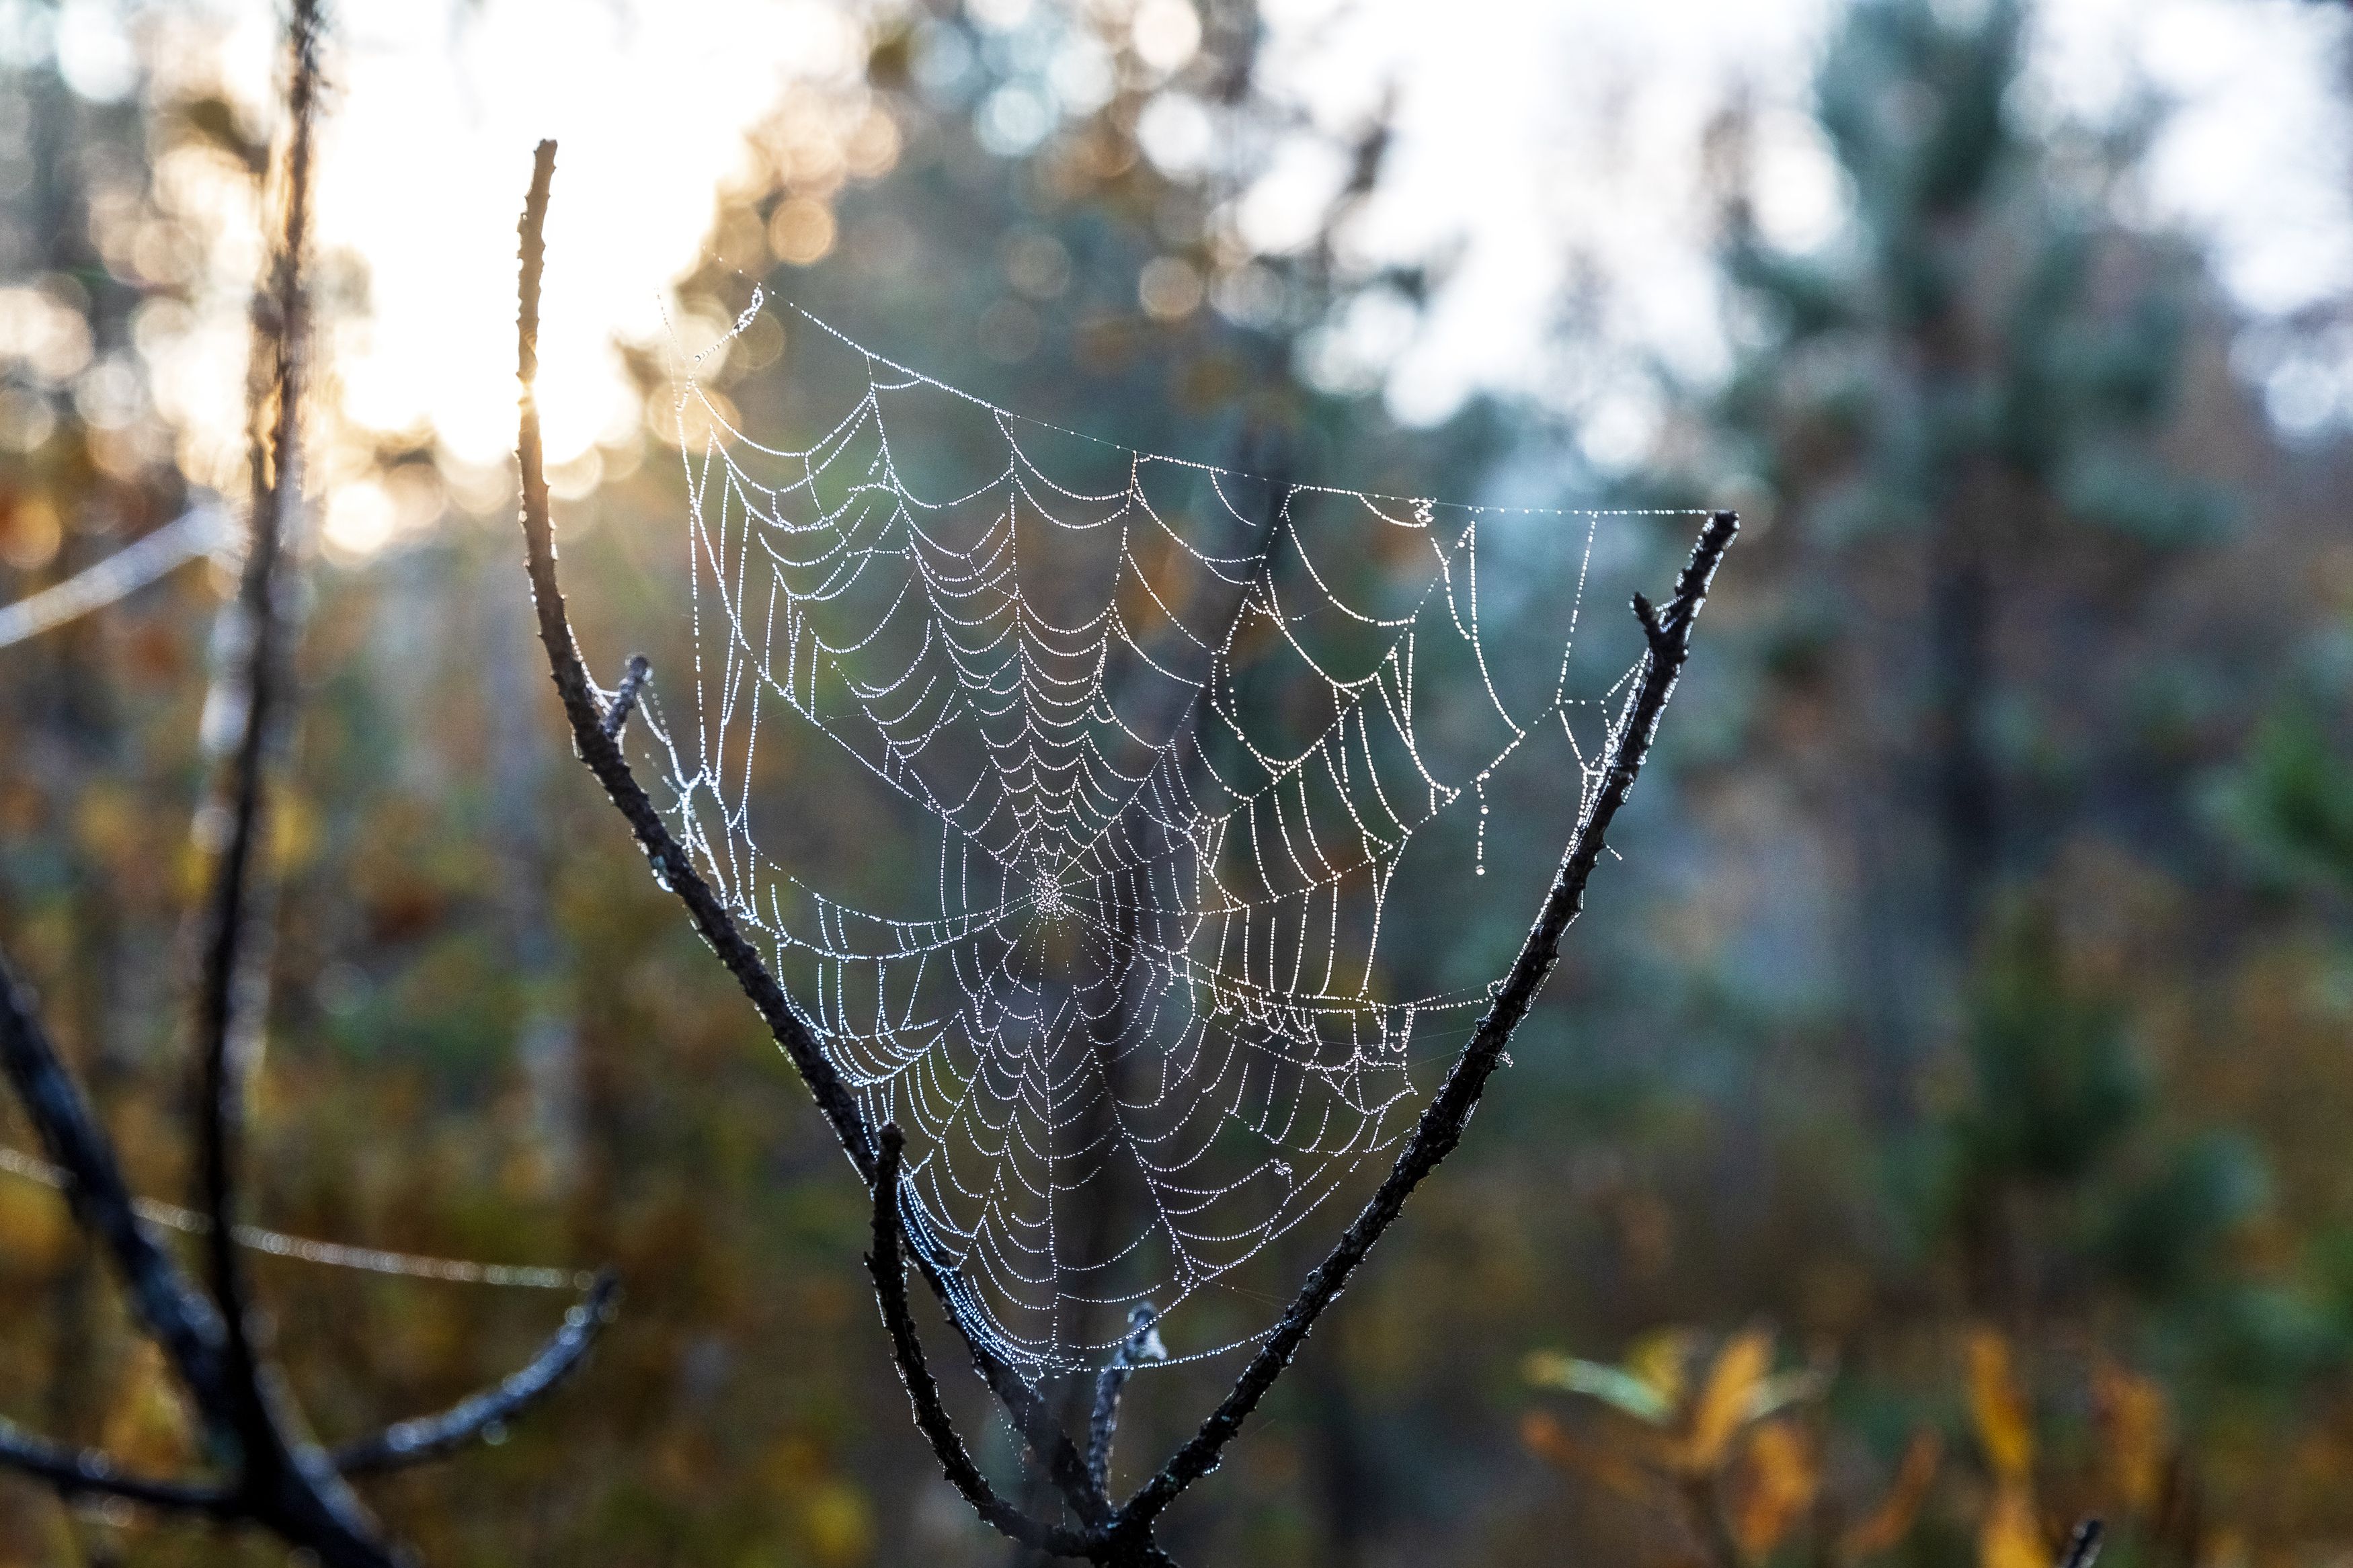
483	1416
887	1265
180	1319
1125	1536
270	1473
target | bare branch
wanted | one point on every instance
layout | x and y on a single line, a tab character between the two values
2083	1545
88	1472
229	977
603	757
601	753
277	1478
1441	1124
640	669
1142	1344
174	1315
887	1264
413	1442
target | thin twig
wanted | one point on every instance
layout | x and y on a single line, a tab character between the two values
1142	1344
634	676
484	1415
887	1265
276	1477
284	1477
178	1318
1058	1454
2083	1545
88	1472
228	975
1441	1124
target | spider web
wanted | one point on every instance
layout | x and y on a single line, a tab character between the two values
1074	791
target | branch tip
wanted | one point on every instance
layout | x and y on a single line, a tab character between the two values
639	671
1443	1120
2083	1545
413	1442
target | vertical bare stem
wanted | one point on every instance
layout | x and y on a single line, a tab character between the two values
1441	1128
290	1474
1057	1455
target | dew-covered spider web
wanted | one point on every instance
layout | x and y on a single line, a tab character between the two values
1083	798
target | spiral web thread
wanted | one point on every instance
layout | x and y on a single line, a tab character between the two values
1137	764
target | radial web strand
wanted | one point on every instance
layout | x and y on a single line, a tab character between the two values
1078	796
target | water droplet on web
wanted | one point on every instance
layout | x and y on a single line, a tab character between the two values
751	311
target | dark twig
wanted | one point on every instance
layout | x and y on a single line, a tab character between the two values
1142	1344
676	871
2083	1545
177	1318
274	1477
604	757
273	1460
1441	1124
484	1415
887	1264
640	669
88	1472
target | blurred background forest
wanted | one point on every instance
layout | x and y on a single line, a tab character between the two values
1936	1129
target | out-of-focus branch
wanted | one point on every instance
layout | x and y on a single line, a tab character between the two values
1441	1124
229	981
2083	1545
88	1472
273	1475
179	1318
281	1475
413	1442
887	1265
672	863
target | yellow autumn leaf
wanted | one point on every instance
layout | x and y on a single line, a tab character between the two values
1891	1522
1724	1401
1659	1358
2135	1432
1550	1442
1783	1476
2004	1429
2010	1536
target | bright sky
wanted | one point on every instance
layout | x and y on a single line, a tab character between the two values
1530	131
